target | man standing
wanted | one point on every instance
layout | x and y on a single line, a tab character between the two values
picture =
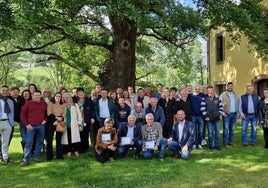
104	108
196	114
121	113
152	138
17	99
159	92
142	98
248	110
211	108
182	137
139	113
156	110
6	122
184	104
230	106
33	116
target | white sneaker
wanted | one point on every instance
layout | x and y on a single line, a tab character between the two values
194	146
199	146
204	142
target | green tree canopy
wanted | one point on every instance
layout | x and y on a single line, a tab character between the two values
99	37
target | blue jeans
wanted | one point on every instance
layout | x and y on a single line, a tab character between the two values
149	152
175	147
228	128
213	134
39	131
23	131
253	121
198	124
122	150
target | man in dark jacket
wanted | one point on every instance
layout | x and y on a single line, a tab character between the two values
156	110
130	136
211	107
248	109
182	137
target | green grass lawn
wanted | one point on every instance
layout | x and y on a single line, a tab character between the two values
231	167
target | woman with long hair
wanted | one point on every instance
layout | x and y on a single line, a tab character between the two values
129	101
26	96
56	112
112	95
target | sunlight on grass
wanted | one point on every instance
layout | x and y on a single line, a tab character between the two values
257	168
230	167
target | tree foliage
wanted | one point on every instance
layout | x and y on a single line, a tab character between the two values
99	37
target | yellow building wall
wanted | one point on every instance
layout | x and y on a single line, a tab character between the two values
239	66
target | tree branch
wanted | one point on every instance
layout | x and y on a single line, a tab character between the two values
143	76
82	40
180	43
21	49
54	56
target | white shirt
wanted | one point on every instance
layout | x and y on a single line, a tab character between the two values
181	125
104	109
3	115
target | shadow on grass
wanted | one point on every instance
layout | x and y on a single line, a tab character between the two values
232	167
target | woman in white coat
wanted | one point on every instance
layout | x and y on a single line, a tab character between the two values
73	119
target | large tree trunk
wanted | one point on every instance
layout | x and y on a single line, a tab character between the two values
120	68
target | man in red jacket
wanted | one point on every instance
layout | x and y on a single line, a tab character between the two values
33	116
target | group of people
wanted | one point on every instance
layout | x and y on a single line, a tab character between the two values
120	120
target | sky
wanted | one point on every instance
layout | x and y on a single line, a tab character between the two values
188	3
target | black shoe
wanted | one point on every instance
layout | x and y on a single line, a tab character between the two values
244	145
6	161
218	148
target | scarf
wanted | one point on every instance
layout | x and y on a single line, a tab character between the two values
6	108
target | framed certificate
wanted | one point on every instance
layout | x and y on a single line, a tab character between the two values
149	145
126	140
106	137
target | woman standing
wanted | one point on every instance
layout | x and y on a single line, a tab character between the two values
32	88
56	112
168	105
112	95
26	96
263	114
73	118
86	107
47	96
128	100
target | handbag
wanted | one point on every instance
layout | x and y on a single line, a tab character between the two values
81	128
61	127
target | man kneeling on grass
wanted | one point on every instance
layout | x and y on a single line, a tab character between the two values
106	141
182	137
153	138
130	136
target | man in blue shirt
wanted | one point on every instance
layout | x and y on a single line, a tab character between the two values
230	107
248	110
6	121
132	132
